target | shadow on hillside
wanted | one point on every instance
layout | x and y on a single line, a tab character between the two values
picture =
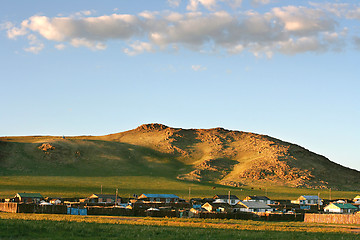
78	157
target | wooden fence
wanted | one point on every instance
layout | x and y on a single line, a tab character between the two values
32	208
333	218
8	207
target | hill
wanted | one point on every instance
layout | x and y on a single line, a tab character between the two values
216	156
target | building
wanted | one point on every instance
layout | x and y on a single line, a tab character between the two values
160	198
252	206
229	199
216	207
255	198
55	201
356	199
104	198
340	208
28	197
308	200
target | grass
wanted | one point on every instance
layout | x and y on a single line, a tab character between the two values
70	186
131	168
30	226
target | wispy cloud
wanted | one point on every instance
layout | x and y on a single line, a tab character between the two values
138	48
60	46
197	68
35	45
174	3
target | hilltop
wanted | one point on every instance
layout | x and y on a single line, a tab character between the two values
217	155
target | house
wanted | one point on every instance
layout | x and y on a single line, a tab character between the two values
55	201
252	206
208	206
216	207
162	198
28	197
356	199
104	198
255	198
229	199
340	208
308	200
238	208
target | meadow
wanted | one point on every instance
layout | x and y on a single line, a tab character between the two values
82	186
31	226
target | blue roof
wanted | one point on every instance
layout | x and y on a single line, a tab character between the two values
151	195
315	197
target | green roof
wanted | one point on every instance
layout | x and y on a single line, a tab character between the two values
30	195
345	206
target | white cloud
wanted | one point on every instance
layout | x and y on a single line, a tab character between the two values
60	46
213	5
174	3
82	42
354	13
148	15
197	68
304	44
304	21
236	49
35	49
138	48
208	4
288	30
13	32
35	45
234	3
174	17
192	5
260	2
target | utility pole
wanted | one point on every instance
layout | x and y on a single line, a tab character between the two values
101	189
116	193
229	197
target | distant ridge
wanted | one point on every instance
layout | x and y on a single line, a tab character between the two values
214	155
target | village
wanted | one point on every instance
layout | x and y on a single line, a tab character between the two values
169	205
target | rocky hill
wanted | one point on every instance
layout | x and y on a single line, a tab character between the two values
204	155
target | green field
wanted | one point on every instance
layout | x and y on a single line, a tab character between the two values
70	186
38	226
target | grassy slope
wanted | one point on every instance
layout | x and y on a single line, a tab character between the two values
249	158
136	161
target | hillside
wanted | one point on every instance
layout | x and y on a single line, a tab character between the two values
202	155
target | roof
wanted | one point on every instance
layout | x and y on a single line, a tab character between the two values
255	205
30	195
310	197
225	197
103	196
357	197
264	198
151	195
344	205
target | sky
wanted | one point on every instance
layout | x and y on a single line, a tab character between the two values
287	69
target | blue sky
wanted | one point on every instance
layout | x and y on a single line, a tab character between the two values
288	69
